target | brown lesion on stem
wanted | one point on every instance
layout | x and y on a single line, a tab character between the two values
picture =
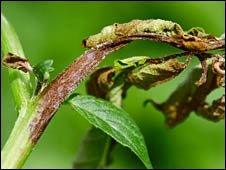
59	89
184	42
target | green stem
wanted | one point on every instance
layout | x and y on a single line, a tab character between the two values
18	144
20	81
103	160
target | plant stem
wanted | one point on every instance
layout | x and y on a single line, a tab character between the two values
103	160
18	145
20	81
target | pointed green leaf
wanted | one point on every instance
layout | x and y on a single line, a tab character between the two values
114	121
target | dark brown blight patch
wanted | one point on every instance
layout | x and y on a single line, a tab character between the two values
16	62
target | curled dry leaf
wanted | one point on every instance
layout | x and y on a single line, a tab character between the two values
16	62
155	71
187	97
100	82
111	83
146	72
204	66
107	84
219	68
214	112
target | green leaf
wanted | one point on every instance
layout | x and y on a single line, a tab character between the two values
93	150
114	121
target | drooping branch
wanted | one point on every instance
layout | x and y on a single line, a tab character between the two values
156	30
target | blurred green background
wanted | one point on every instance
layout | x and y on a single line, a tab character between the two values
54	30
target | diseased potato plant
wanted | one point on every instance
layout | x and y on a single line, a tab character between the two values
107	87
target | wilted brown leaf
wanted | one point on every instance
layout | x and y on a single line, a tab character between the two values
187	97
